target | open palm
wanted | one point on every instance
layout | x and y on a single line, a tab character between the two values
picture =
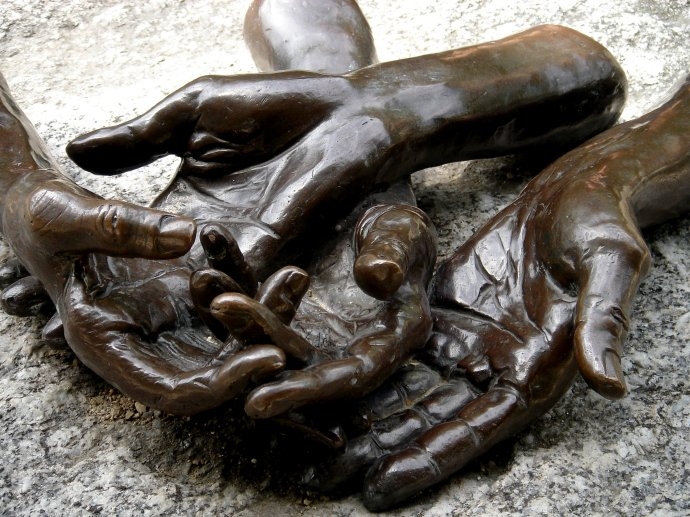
542	291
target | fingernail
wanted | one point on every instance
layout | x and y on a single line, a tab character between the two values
297	282
378	277
397	477
212	240
613	384
176	234
258	406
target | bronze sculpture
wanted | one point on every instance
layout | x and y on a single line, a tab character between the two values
542	291
104	326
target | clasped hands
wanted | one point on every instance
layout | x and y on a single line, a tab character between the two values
502	308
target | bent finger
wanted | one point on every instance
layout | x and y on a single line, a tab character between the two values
204	286
164	129
244	316
372	360
282	292
608	283
224	254
445	448
393	242
25	297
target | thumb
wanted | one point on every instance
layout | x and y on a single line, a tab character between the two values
78	223
609	280
163	130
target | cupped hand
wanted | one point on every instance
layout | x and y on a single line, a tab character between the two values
360	318
278	158
135	322
119	276
269	157
542	291
278	177
347	342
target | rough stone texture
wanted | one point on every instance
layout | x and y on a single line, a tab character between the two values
70	445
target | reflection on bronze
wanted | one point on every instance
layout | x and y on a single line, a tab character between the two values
278	176
267	187
329	36
130	320
352	340
346	135
542	291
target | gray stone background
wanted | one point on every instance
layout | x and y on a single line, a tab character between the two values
70	445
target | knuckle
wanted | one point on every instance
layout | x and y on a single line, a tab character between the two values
108	221
603	314
632	247
46	209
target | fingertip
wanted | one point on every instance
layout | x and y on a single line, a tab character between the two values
223	253
252	365
294	280
283	291
378	276
53	330
600	366
276	398
233	306
25	297
274	361
214	240
607	380
104	151
210	283
396	477
258	404
176	236
80	152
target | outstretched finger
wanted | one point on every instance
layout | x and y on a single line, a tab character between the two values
164	129
372	359
608	283
445	448
77	222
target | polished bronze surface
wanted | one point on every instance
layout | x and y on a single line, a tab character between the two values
540	292
330	37
133	321
277	176
267	186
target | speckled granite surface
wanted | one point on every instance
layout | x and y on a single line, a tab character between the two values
69	445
